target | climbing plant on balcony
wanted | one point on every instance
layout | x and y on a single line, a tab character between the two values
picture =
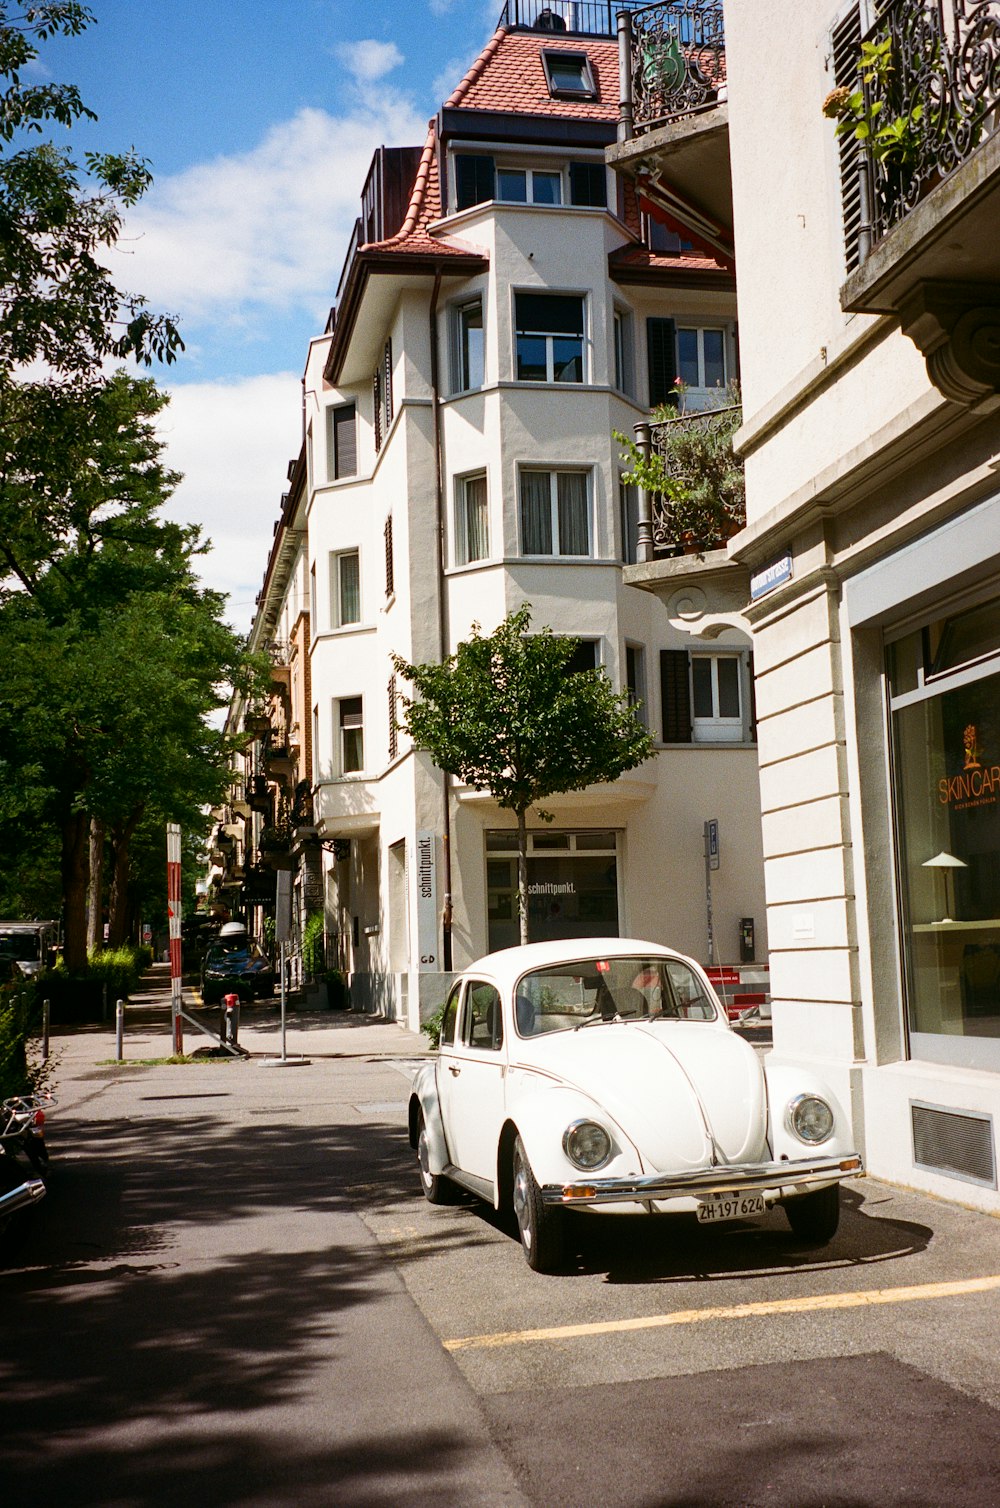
693	474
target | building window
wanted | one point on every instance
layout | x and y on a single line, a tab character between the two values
515	185
389	566
706	697
944	698
377	406
345	588
350	724
635	680
701	357
623	352
471	523
715	698
584	656
572	885
588	184
549	333
555	513
468	350
660	238
569	75
341	442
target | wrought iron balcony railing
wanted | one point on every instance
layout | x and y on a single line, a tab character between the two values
587	18
673	58
693	492
930	77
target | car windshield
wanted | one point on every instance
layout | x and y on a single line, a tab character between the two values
594	990
20	945
226	954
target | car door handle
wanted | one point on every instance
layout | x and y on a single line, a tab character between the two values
453	1070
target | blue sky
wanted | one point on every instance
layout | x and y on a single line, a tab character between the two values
259	118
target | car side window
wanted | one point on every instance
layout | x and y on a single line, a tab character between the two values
689	1000
482	1021
448	1019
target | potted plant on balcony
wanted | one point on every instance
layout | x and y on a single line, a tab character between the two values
692	473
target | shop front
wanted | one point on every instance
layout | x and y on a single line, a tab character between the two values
572	885
944	689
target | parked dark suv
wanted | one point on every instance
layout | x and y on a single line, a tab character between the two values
235	966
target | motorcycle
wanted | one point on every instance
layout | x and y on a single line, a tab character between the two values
22	1140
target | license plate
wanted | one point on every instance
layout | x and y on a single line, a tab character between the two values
730	1207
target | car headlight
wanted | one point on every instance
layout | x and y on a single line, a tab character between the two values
586	1144
810	1118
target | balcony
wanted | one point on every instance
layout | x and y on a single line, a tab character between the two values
692	491
921	189
674	124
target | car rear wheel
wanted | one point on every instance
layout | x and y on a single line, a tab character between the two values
539	1227
437	1189
815	1217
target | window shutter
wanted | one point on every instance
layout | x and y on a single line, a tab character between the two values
389	587
675	696
345	443
588	184
393	730
752	688
846	49
473	180
661	356
387	385
377	406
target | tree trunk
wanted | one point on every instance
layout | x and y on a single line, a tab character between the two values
75	871
121	838
95	889
522	873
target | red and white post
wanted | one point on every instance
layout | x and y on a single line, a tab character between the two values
174	923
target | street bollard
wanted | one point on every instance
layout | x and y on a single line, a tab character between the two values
119	1030
229	1021
46	1016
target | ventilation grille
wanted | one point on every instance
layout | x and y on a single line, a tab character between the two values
960	1145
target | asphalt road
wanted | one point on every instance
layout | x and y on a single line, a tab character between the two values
235	1294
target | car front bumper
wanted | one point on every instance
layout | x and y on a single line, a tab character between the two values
779	1180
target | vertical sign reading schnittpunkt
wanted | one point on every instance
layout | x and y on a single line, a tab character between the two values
427	918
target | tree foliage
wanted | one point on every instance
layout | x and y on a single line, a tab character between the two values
58	301
505	715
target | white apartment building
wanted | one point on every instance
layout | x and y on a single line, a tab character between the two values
868	290
504	307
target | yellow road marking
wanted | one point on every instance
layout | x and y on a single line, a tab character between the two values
737	1311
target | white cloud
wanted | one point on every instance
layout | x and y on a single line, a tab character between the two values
233	442
235	240
368	59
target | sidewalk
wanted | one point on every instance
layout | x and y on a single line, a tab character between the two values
312	1034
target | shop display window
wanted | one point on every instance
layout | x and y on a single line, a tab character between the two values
944	681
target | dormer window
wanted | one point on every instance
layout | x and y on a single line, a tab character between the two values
569	75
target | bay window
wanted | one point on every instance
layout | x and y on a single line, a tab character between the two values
555	513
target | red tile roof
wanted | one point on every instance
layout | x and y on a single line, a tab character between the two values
509	77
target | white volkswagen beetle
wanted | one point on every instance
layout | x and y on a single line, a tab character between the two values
603	1073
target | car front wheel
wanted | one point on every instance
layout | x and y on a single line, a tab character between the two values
539	1227
815	1217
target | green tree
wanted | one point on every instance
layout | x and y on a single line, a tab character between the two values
113	657
505	715
58	301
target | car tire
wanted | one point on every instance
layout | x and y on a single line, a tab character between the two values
815	1217
437	1189
539	1227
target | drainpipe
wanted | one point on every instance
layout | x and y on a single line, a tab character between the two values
626	129
446	914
